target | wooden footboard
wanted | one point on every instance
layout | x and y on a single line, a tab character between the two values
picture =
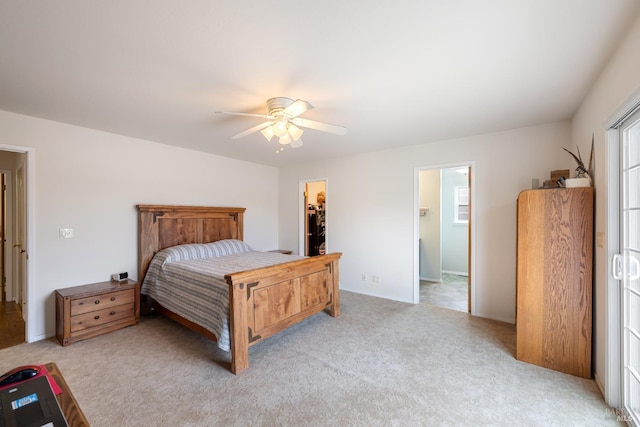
266	300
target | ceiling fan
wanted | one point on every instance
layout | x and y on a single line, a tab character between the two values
283	122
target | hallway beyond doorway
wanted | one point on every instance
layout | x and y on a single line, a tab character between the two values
451	292
11	325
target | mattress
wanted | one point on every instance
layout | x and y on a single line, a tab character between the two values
189	280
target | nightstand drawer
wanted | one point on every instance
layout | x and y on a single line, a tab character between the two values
101	317
103	301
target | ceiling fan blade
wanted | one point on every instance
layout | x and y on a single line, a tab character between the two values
297	144
298	107
325	127
263	116
251	130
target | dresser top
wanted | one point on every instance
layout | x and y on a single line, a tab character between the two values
93	288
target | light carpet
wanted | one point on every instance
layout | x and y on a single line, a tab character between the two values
381	363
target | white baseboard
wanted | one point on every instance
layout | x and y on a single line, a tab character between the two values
510	320
457	273
41	337
596	378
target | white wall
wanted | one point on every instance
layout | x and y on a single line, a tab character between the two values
370	216
91	181
618	80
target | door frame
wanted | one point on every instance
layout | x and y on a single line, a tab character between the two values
613	353
472	228
29	182
302	218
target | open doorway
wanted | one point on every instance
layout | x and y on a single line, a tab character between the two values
443	227
314	214
12	249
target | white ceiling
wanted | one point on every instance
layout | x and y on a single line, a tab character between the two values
395	73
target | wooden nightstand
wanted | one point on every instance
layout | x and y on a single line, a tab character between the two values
90	310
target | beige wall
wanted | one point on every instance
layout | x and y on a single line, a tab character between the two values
91	181
618	80
371	213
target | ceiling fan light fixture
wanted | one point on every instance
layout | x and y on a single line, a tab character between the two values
295	132
280	127
285	139
267	133
285	123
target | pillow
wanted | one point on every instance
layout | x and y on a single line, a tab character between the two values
204	250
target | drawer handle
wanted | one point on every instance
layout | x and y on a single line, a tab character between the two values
97	317
113	298
97	301
112	313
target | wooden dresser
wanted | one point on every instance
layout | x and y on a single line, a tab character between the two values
554	279
89	310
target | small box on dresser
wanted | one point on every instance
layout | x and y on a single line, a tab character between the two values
90	310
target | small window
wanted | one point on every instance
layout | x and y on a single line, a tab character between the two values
461	204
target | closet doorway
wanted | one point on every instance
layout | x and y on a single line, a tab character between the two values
314	218
443	227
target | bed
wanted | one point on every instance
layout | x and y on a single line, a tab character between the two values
261	301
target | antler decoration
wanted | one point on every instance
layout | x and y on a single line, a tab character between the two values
582	171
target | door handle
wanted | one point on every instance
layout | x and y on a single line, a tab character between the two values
634	261
616	266
617	270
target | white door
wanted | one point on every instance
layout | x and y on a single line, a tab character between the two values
627	263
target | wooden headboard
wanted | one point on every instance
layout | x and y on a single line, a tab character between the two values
161	226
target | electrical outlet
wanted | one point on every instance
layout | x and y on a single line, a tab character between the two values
375	279
364	276
66	233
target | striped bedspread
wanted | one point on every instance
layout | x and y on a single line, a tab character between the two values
189	280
